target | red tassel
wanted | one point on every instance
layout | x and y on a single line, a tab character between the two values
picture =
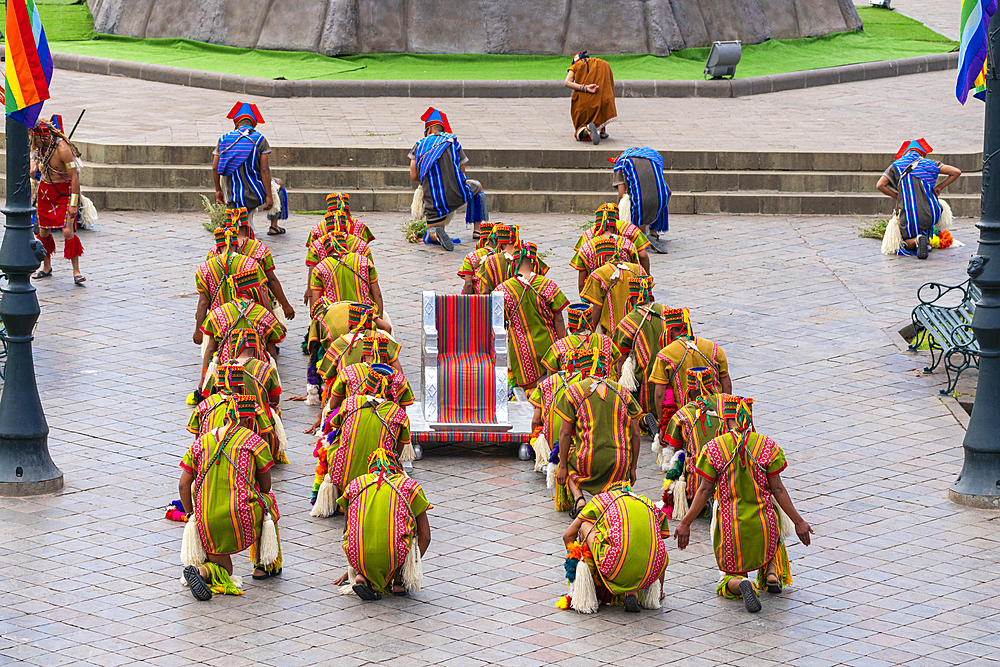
73	247
48	243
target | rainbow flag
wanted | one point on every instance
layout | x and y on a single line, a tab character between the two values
976	16
28	63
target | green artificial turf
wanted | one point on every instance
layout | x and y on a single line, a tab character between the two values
66	20
887	35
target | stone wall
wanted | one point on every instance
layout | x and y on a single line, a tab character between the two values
543	27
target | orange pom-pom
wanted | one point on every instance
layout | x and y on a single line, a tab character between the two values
945	239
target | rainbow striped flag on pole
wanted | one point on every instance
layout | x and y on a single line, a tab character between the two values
28	63
976	16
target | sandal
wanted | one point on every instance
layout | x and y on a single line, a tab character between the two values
476	236
41	274
79	280
266	575
632	604
774	588
199	589
365	592
275	231
400	594
750	599
575	512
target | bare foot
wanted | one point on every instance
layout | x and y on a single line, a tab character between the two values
298	397
341	580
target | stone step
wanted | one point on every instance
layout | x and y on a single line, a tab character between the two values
582	157
496	180
523	201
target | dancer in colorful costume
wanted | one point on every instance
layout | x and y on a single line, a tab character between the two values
212	412
350	381
225	487
607	223
437	162
57	198
363	344
581	335
251	247
345	276
595	253
386	531
741	470
512	256
615	552
613	290
912	181
485	245
670	370
599	435
240	167
687	431
366	421
533	305
639	337
338	211
642	192
592	106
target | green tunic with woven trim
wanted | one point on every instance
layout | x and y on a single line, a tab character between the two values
349	348
531	304
362	431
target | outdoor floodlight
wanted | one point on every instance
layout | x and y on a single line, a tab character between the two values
722	59
882	4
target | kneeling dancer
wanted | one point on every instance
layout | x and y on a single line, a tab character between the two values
225	488
741	468
617	543
378	536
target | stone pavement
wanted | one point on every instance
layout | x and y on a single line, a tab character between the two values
806	313
941	16
866	116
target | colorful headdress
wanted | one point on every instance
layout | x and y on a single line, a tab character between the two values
700	382
319	307
245	111
383	462
376	381
360	316
486	234
506	234
338	201
238	217
606	218
53	127
579	317
246	406
57	122
608	251
245	281
375	346
334	243
738	408
676	324
225	237
241	340
588	361
582	55
434	117
640	289
336	219
914	145
229	379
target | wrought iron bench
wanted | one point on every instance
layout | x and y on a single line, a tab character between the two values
947	328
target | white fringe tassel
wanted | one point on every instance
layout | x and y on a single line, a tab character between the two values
88	213
192	550
649	598
312	394
584	593
408	455
550	479
542	453
787	527
279	431
268	542
213	366
625	209
947	217
275	197
679	487
348	588
627	378
413	569
279	314
892	240
417	206
656	447
715	520
325	501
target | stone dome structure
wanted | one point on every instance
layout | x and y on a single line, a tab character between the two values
541	27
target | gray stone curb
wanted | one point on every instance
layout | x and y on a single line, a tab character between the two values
642	88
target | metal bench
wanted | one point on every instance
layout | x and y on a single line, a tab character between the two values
947	328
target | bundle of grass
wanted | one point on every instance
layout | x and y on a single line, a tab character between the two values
216	214
873	229
414	230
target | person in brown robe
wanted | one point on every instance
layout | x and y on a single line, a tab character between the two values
593	104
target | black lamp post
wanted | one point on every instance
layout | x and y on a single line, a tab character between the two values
978	485
26	469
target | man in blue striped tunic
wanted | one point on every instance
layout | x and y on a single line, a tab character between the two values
638	173
240	167
437	162
912	179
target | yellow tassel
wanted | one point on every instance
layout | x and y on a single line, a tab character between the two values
192	550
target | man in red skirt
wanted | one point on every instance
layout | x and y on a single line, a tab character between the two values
53	163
